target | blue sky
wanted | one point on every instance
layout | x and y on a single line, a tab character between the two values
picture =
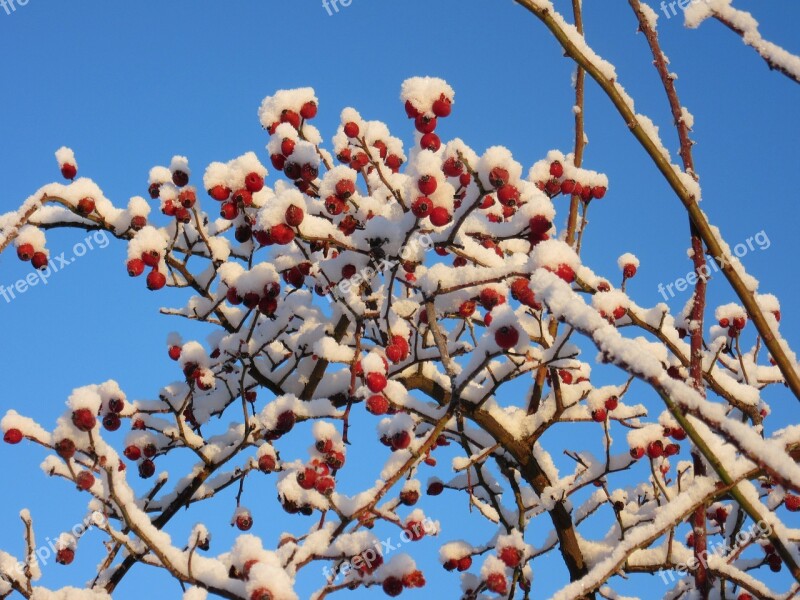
128	87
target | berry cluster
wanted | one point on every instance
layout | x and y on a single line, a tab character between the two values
562	177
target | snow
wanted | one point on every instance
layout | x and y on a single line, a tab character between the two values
65	156
284	350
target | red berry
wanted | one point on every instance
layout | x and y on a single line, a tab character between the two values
467	309
345	188
411	110
112	422
678	433
281	234
598	191
291	117
506	337
629	271
611	403
497	583
266	464
309	110
409	497
637	453
39	260
254	182
508	195
86	206
430	141
540	224
565	272
147	469
415	579
151	258
180	178
135	267
65	556
84	480
394	162
394	353
334	205
415	530
774	562
435	488
655	449
360	160
671	449
308	173
13	436
425	124
84	419
69	171
453	167
442	107
427	184
25	252
261	594
792	502
392	586
187	198
400	440
599	415
377	404
65	448
325	485
490	298
132	453
351	130
294	215
244	522
307	478
286	421
422	207
376	382
556	169
439	216
156	280
219	192
498	176
511	556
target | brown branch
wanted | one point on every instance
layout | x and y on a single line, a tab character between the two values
701	578
757	45
687	198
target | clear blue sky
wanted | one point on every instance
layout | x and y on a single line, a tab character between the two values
129	86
